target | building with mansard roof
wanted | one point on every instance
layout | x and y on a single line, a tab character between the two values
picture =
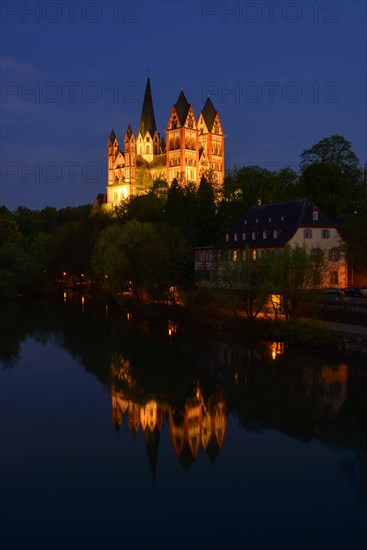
193	148
272	227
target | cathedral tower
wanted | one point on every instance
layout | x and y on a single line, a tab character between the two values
148	142
130	155
182	142
211	143
112	151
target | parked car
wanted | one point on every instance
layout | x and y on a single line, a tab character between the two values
355	291
363	291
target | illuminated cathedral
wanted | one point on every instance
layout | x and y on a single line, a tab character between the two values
193	148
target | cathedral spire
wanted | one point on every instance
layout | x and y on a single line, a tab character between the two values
209	113
182	107
147	119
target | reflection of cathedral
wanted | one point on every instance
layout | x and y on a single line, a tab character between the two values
193	148
198	423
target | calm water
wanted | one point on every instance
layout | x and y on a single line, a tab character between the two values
115	433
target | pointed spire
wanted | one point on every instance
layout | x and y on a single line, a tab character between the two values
182	107
129	132
209	113
147	119
112	136
151	440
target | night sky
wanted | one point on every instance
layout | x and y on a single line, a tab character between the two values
282	76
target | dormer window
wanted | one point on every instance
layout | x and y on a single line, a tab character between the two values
253	235
265	234
235	237
269	218
257	220
282	218
315	215
245	222
275	233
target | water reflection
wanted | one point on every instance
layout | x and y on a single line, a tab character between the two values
302	402
196	424
163	374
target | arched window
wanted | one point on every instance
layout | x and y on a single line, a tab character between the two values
115	196
147	149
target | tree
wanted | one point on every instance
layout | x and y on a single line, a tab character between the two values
331	177
334	150
142	257
206	222
292	271
331	190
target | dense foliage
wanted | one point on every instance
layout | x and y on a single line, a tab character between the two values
146	246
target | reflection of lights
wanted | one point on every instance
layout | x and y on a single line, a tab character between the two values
83	303
64	296
82	274
106	276
129	316
106	309
277	348
236	377
64	273
172	328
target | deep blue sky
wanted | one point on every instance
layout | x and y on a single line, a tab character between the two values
282	75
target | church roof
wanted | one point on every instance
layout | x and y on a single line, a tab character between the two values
212	448
147	119
151	440
112	136
182	107
209	113
129	132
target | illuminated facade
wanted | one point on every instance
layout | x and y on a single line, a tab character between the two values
193	148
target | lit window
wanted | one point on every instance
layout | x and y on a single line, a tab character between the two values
254	255
325	233
307	233
334	254
234	255
334	280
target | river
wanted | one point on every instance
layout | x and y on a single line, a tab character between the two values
118	432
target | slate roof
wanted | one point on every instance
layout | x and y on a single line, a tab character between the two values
129	132
147	119
112	136
209	113
182	107
284	217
